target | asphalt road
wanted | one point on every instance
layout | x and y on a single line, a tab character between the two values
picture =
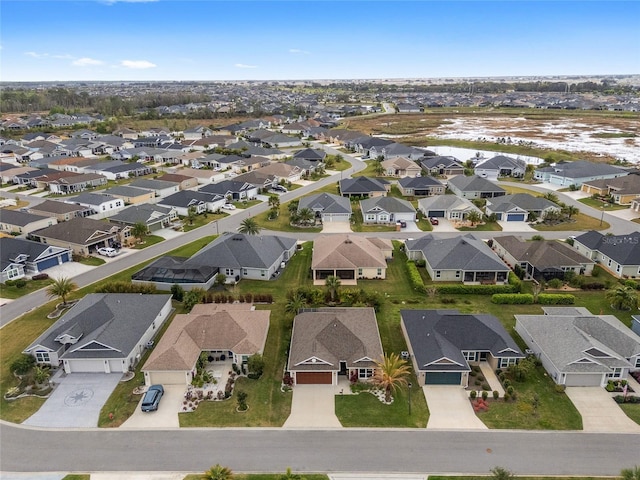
273	450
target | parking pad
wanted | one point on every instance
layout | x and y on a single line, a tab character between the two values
76	401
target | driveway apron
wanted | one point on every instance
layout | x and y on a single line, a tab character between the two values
600	412
167	414
313	406
76	401
450	408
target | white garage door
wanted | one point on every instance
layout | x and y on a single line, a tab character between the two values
583	380
167	378
78	366
116	366
335	217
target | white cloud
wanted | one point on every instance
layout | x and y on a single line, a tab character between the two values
36	55
297	51
66	56
244	65
137	64
86	62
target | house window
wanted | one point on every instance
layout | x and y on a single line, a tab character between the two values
437	273
14	272
359	272
384	218
505	362
103	208
457	273
42	357
263	273
370	217
609	262
244	271
365	372
228	272
379	272
637	362
617	373
618	268
470	356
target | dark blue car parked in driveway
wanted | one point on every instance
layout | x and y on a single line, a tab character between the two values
152	398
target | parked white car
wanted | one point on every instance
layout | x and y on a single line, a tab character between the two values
108	252
229	206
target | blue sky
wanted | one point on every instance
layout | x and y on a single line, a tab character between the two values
305	39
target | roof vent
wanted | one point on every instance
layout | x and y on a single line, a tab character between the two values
348	240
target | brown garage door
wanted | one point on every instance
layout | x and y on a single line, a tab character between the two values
313	378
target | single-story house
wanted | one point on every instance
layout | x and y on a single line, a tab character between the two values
22	223
224	331
578	172
620	254
154	217
395	150
327	343
327	207
386	210
185	199
459	259
350	257
364	187
20	257
420	187
622	190
102	333
541	259
520	207
61	211
443	344
474	187
116	170
316	155
237	256
232	189
202	176
131	195
442	165
184	181
77	183
501	166
401	167
450	207
579	349
83	235
161	188
102	204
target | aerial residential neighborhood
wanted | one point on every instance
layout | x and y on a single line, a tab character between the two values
319	241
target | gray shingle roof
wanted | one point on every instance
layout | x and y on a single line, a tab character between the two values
419	182
116	320
10	248
19	218
522	200
388	204
446	202
437	334
185	198
326	203
88	198
81	231
474	184
362	185
127	191
457	253
623	249
145	213
583	169
542	254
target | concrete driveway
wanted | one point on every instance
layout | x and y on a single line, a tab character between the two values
444	225
314	406
600	412
76	401
516	227
336	227
450	408
167	414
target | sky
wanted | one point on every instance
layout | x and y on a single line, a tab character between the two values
65	40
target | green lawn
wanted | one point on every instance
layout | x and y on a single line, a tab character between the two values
483	227
148	241
365	410
17	336
77	476
281	222
92	261
555	410
262	476
582	223
599	204
357	224
370	171
200	220
632	410
13	292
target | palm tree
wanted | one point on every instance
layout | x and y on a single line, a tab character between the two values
293	206
274	201
378	168
289	475
249	227
306	216
390	374
295	303
623	298
570	210
552	197
631	473
61	287
218	472
191	214
139	230
332	283
474	217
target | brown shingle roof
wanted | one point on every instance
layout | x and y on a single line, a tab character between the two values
234	327
348	251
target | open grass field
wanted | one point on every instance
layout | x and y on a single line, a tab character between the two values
282	222
13	292
202	219
148	241
582	223
91	261
599	204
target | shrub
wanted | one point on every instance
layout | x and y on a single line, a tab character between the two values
126	287
255	364
177	291
477	382
485	394
593	286
515	280
506	397
10	283
481	378
448	301
23	364
20	283
506	383
560	388
512	298
476	289
414	276
555	283
496	394
510	390
556	299
473	394
486	386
